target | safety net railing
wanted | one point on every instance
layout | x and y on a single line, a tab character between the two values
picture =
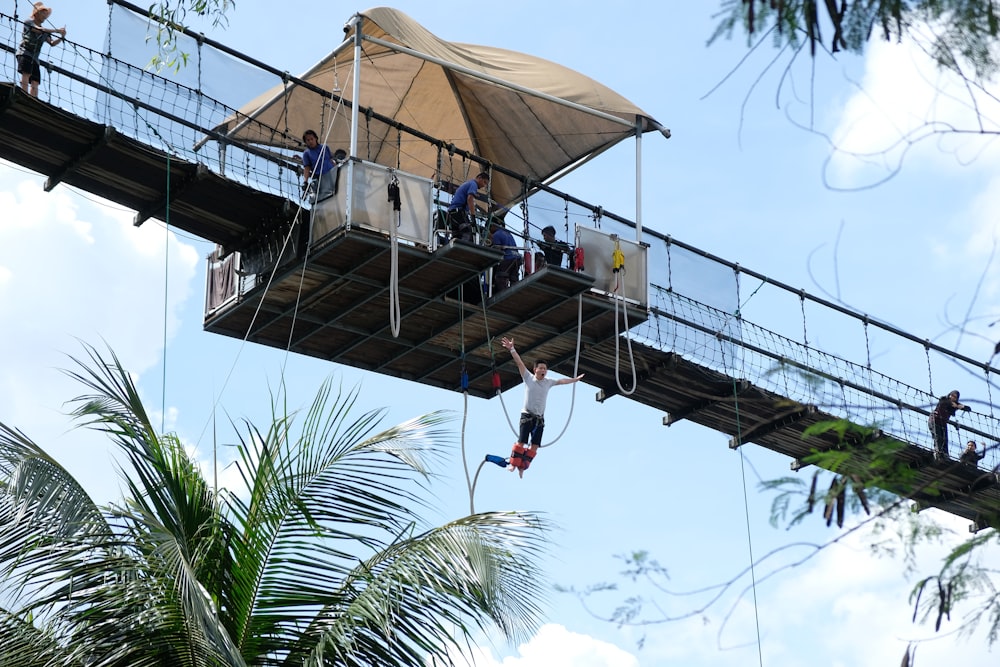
744	350
147	106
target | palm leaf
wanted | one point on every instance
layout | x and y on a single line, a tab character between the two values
426	593
324	559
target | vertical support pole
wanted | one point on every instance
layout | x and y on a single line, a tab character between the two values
355	115
638	180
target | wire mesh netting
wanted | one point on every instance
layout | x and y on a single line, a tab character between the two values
163	108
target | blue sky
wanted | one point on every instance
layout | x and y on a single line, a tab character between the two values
740	178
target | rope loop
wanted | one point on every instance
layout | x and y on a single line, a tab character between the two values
868	349
805	332
930	376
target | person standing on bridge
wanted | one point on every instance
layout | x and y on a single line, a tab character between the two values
946	408
30	49
536	390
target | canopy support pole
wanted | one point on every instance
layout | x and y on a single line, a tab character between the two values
638	180
355	120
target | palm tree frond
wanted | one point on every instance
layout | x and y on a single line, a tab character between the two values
415	597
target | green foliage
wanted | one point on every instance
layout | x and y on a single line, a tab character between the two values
862	471
323	558
963	578
861	476
865	467
956	33
171	17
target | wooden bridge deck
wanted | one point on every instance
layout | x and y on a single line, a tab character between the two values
343	310
335	305
748	414
96	159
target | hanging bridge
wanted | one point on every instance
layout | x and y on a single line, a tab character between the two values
698	338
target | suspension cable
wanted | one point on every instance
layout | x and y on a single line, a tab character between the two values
805	332
746	500
930	377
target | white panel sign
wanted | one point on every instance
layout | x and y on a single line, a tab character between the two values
370	205
371	208
599	248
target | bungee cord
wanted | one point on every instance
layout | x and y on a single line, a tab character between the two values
618	270
394	222
464	384
576	371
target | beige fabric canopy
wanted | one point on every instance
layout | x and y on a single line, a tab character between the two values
522	113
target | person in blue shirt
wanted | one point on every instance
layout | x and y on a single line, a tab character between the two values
462	209
30	48
318	162
506	272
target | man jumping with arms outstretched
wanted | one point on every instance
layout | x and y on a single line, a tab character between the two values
536	390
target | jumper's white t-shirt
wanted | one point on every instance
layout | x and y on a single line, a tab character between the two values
535	393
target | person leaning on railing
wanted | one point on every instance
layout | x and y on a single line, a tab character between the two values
462	209
945	409
318	164
30	49
552	249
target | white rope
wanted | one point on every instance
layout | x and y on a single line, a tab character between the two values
394	313
267	288
628	341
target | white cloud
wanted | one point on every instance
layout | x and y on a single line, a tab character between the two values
902	98
554	646
75	269
214	467
980	253
843	607
983	222
853	608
